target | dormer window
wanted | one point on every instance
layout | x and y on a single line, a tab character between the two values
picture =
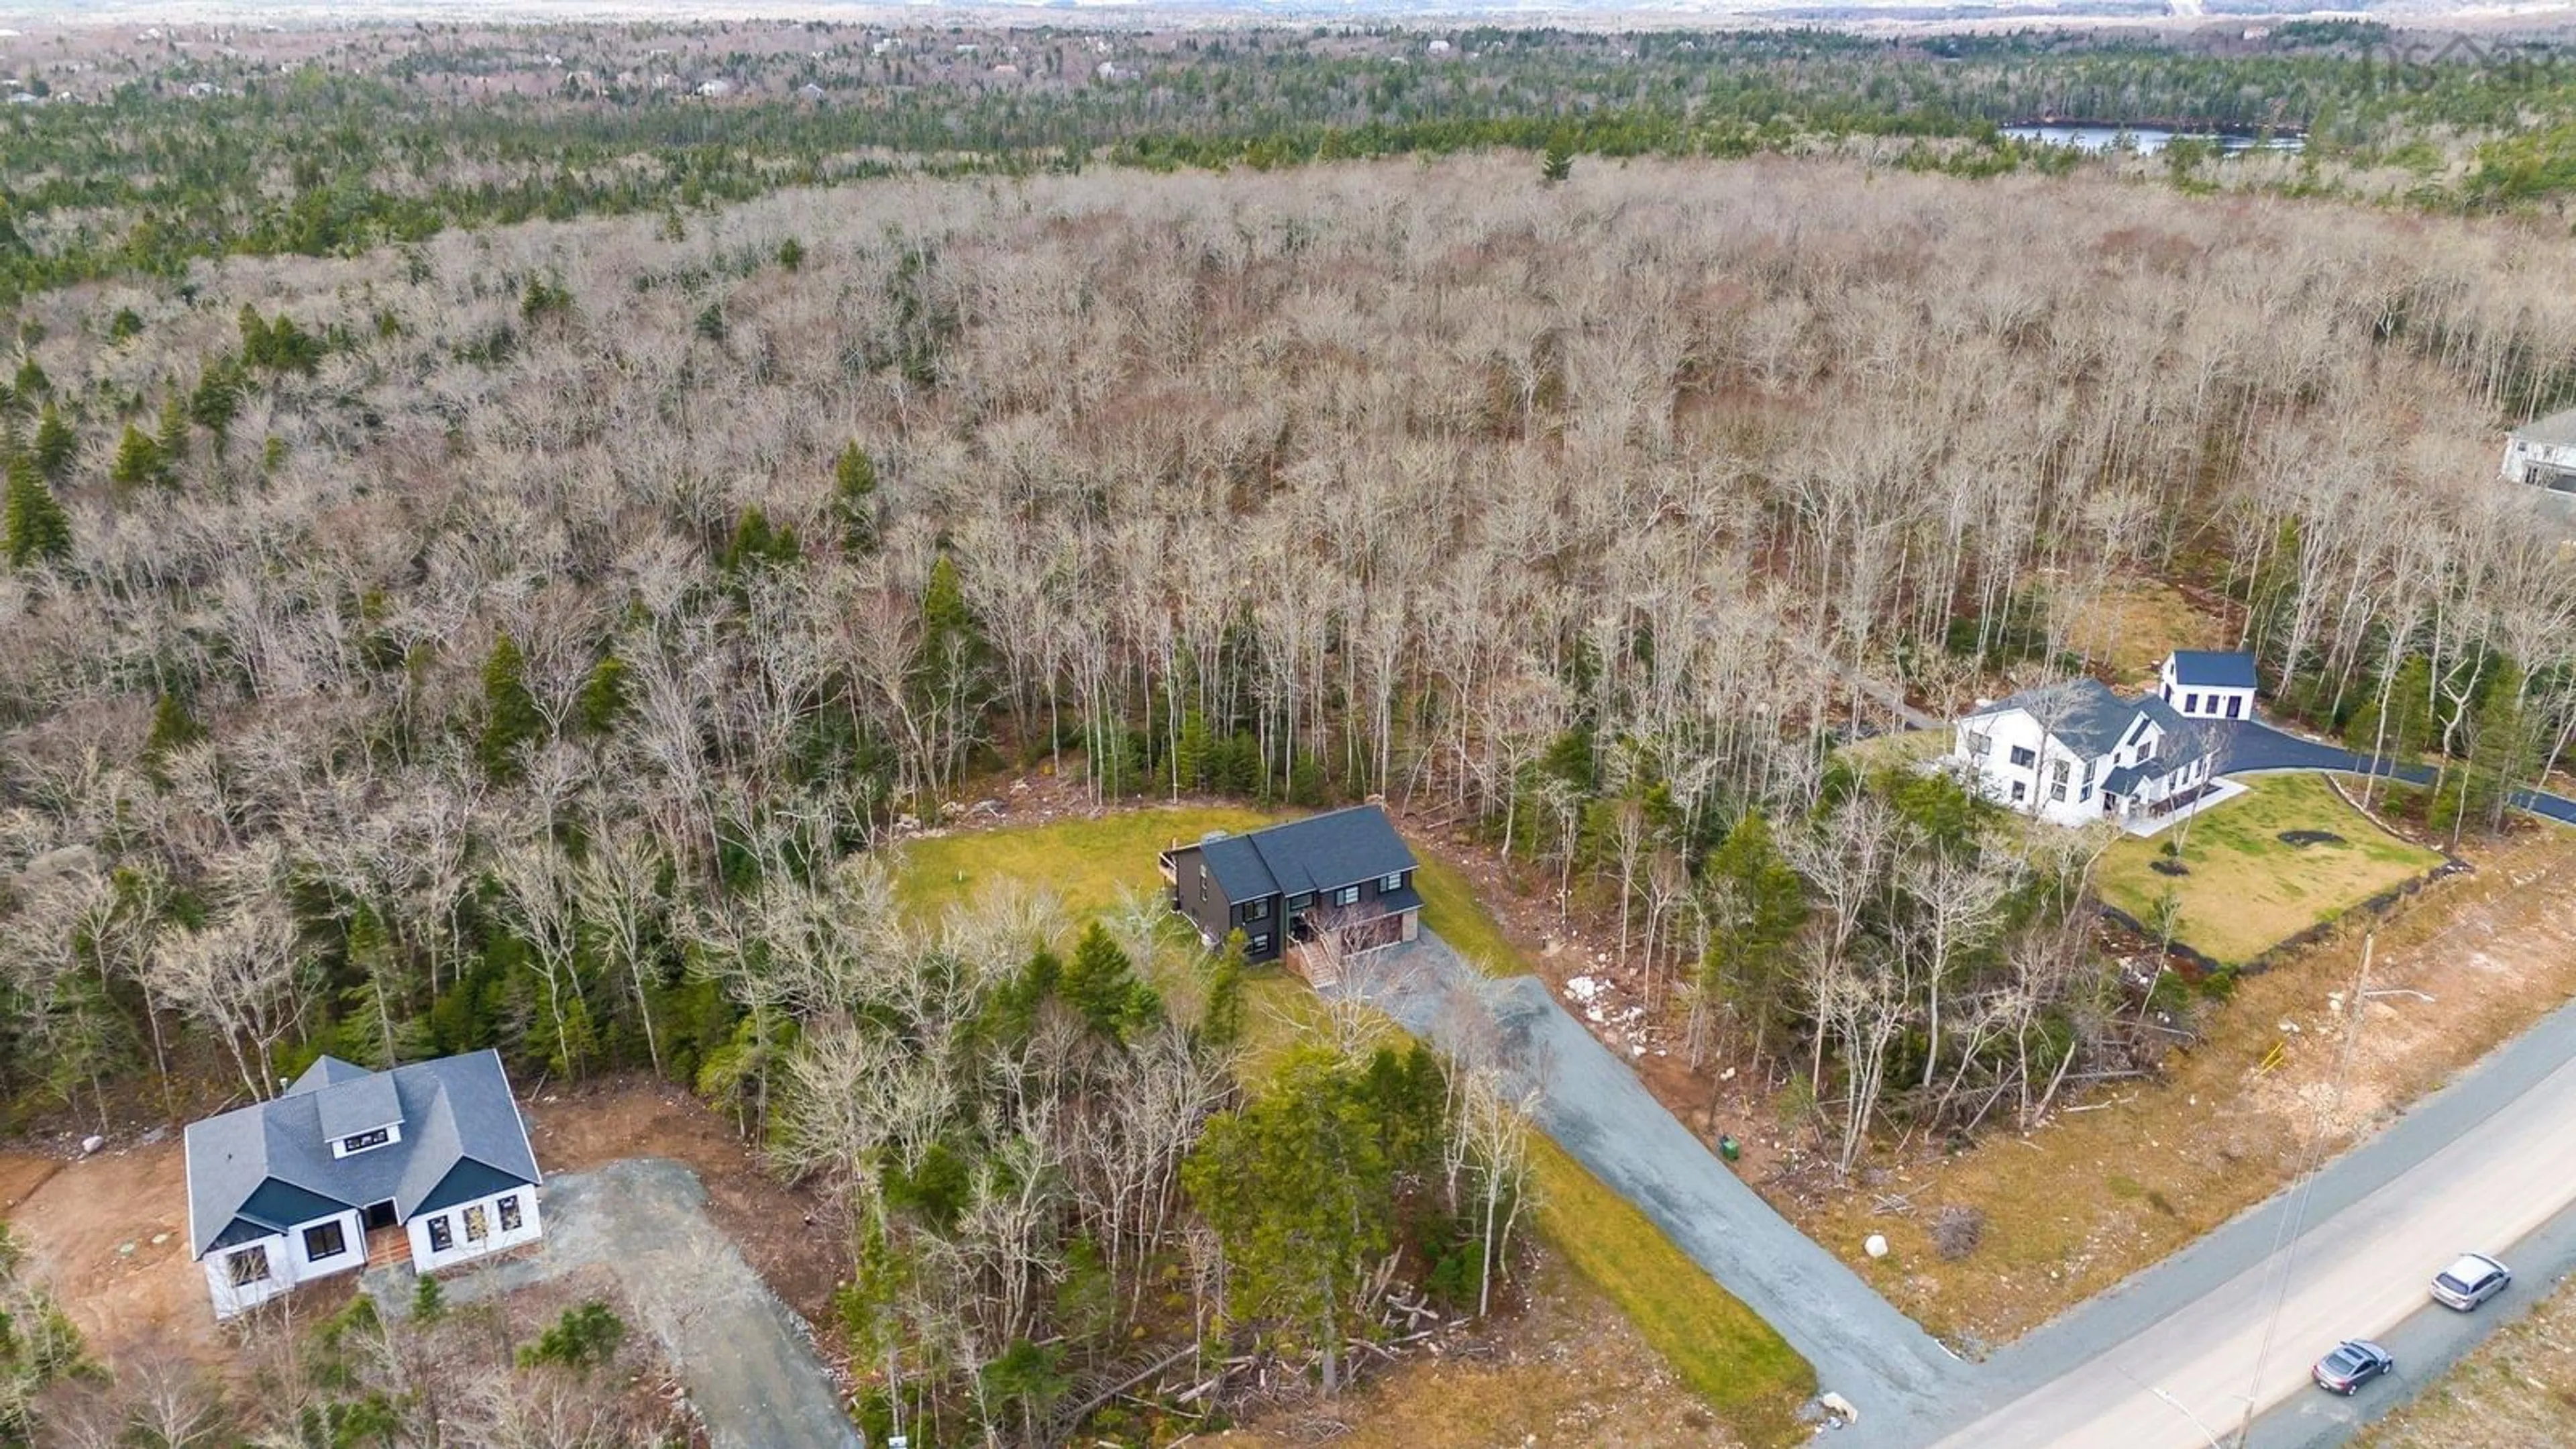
357	1142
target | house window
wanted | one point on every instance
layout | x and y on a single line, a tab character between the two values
1391	881
364	1140
2019	790
2057	771
510	1213
1347	896
1980	745
2234	703
248	1266
441	1237
2023	758
1261	942
2057	791
2146	749
478	1224
1300	901
325	1240
2191	704
1257	910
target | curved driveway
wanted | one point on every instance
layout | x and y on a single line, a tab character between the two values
2250	746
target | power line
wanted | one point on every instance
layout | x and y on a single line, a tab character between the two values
2285	1239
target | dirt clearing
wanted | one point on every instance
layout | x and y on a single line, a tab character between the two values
109	1232
785	1233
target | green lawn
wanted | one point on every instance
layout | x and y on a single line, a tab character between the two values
1088	863
1722	1349
2248	890
1719	1347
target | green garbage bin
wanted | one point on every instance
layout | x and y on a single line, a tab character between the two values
1727	1148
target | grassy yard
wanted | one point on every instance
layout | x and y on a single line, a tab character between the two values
1749	1375
2248	890
1089	864
1717	1346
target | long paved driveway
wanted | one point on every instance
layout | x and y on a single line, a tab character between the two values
2251	745
1597	1110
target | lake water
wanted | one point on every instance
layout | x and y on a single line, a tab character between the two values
2147	140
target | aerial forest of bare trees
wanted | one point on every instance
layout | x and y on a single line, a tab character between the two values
531	637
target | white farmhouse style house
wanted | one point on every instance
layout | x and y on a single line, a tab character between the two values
2542	453
2075	752
351	1167
2200	684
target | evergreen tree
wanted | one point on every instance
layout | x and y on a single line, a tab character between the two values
1101	984
32	382
217	400
854	498
1221	1024
510	718
1756	904
173	728
605	697
172	441
137	461
1191	753
55	444
36	528
1557	164
1300	1192
756	543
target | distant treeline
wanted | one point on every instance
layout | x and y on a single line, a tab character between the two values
322	163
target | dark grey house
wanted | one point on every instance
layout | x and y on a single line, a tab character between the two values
1344	877
351	1165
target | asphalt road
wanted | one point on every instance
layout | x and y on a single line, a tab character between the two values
2360	1274
2169	1357
1597	1110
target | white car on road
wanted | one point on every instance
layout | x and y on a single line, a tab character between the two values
2470	1281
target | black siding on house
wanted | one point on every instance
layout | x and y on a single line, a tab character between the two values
1199	895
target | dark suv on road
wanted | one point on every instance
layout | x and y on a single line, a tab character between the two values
2354	1362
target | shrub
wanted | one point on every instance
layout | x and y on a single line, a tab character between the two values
1956	1233
582	1339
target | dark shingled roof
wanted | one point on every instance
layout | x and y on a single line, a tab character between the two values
2213	669
2083	713
2125	780
265	1168
1319	853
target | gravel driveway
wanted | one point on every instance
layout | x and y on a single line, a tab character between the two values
1598	1111
749	1366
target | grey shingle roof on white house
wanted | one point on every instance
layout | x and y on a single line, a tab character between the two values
2558	430
2083	713
265	1168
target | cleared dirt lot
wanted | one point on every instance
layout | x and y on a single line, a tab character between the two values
110	1231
